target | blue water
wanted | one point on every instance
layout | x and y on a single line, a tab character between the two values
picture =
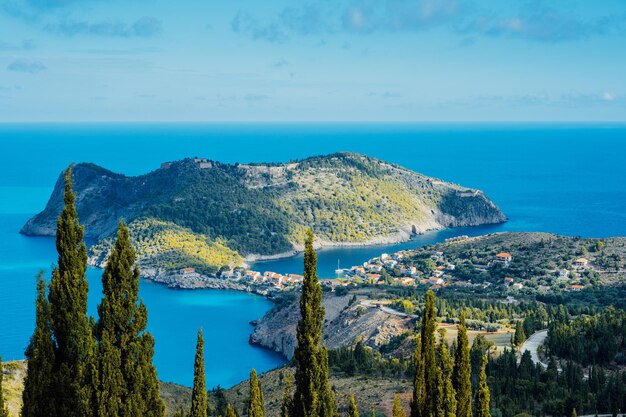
566	179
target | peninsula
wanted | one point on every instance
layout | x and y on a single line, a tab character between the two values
206	215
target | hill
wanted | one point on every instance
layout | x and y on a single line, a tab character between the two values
261	210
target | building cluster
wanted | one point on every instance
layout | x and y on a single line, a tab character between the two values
391	269
267	279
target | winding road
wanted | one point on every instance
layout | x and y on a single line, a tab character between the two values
532	345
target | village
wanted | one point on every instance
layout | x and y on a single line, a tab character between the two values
400	269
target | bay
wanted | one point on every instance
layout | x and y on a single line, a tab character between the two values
561	178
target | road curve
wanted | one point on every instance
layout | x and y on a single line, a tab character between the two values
532	344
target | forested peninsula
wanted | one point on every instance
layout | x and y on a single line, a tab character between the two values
206	214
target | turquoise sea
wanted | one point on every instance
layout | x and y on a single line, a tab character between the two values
562	178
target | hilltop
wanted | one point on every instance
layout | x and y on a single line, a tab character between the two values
230	211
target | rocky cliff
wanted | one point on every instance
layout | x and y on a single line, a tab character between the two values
344	324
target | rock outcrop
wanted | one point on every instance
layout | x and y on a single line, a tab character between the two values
344	325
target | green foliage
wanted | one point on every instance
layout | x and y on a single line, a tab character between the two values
74	345
352	411
313	396
361	360
37	393
287	404
526	388
446	395
398	409
428	403
164	245
199	393
128	383
519	336
461	376
596	340
256	403
230	411
483	396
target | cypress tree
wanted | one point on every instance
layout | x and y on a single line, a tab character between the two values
430	369
352	411
483	396
4	410
418	380
287	404
312	397
72	333
230	411
574	413
37	397
199	394
520	336
326	403
446	393
398	410
462	373
125	352
256	403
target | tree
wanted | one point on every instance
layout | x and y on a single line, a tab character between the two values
4	410
446	394
398	410
230	411
287	403
418	380
256	403
199	393
352	411
519	336
125	350
429	404
74	344
37	396
483	396
574	413
461	375
313	396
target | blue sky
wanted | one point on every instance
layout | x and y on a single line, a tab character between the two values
339	60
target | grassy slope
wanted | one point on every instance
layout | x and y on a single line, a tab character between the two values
164	245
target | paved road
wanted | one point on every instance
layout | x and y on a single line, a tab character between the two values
532	344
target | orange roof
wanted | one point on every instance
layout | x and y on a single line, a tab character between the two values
504	255
577	287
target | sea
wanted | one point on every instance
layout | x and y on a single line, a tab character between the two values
560	178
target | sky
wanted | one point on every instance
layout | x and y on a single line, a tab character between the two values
324	60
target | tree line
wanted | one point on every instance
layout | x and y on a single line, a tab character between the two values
79	366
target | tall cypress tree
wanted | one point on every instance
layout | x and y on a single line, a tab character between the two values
74	344
256	403
461	376
287	404
326	404
230	411
4	410
37	397
122	336
446	394
483	395
520	336
311	358
418	380
199	394
398	410
352	411
430	369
